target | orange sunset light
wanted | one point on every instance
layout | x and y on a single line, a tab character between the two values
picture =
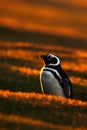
52	16
77	57
28	29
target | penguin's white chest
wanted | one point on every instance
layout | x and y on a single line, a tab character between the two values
49	84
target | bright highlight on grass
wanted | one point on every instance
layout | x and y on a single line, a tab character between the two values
29	28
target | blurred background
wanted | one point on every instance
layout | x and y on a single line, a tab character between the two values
29	28
58	17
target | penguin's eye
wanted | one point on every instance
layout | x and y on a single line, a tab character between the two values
50	57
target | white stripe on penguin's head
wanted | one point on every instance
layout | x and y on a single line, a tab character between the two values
58	60
50	59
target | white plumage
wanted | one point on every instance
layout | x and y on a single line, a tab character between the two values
49	84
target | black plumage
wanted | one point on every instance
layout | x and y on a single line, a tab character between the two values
64	82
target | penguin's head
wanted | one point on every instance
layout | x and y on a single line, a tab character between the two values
50	59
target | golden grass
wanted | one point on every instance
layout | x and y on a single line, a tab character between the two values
31	54
78	67
33	72
74	53
52	19
35	123
28	53
79	81
28	71
24	70
25	120
48	18
27	96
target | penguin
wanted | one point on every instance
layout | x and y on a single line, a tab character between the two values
53	79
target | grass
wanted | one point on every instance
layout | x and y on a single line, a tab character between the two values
48	111
26	31
22	106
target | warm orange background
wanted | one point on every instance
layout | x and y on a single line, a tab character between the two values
64	17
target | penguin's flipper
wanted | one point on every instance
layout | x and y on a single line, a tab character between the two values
67	88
